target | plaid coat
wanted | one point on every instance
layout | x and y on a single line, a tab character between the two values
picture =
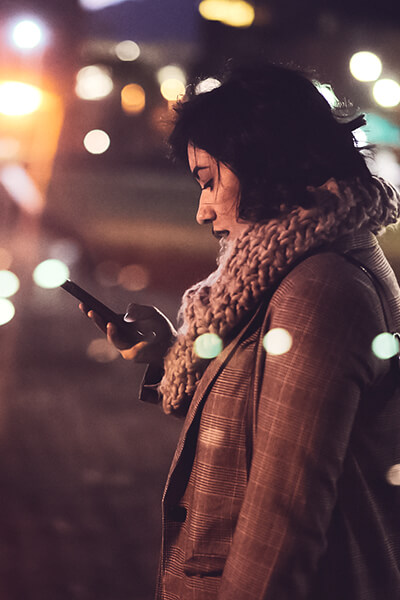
279	487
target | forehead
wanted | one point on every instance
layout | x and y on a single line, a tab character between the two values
199	158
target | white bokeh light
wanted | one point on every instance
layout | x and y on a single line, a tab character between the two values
171	72
96	141
365	66
393	475
9	283
50	273
93	82
386	93
277	341
7	311
27	34
127	50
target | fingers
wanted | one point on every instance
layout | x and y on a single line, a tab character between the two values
114	338
100	324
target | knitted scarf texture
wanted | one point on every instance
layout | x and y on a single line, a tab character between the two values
256	260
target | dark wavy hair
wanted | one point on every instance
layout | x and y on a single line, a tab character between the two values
273	128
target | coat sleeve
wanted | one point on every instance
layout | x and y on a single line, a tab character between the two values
308	401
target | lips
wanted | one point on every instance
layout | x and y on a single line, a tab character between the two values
220	234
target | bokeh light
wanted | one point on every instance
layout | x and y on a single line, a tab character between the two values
207	85
22	188
365	66
107	272
208	345
98	4
9	284
93	82
171	72
171	89
27	34
133	98
393	475
65	249
96	141
134	277
5	258
17	99
102	351
235	13
385	345
9	148
386	93
127	50
7	311
50	273
277	341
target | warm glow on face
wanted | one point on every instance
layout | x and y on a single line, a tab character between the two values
50	273
96	141
133	98
17	99
235	13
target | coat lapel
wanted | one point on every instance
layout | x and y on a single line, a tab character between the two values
206	381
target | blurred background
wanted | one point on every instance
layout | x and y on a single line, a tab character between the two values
86	95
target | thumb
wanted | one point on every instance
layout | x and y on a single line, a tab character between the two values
136	312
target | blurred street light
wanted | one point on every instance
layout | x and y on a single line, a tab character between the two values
28	34
235	13
9	283
93	83
50	273
17	98
7	311
386	93
133	98
127	50
96	141
365	66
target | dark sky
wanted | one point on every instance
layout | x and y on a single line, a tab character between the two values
147	20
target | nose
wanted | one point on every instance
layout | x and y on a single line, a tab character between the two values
205	214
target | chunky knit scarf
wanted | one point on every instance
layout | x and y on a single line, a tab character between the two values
257	260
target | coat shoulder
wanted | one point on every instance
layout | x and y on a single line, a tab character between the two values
327	273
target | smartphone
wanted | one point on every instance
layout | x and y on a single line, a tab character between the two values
128	331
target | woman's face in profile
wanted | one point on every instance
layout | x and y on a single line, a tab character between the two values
220	191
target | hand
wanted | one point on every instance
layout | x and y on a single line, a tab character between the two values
157	331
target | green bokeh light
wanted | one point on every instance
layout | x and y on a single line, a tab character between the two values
385	345
208	345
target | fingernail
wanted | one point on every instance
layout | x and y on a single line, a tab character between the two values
128	318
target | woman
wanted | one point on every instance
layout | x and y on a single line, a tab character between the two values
282	486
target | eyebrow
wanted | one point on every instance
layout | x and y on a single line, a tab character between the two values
196	170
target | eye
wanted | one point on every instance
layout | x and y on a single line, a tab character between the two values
208	185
